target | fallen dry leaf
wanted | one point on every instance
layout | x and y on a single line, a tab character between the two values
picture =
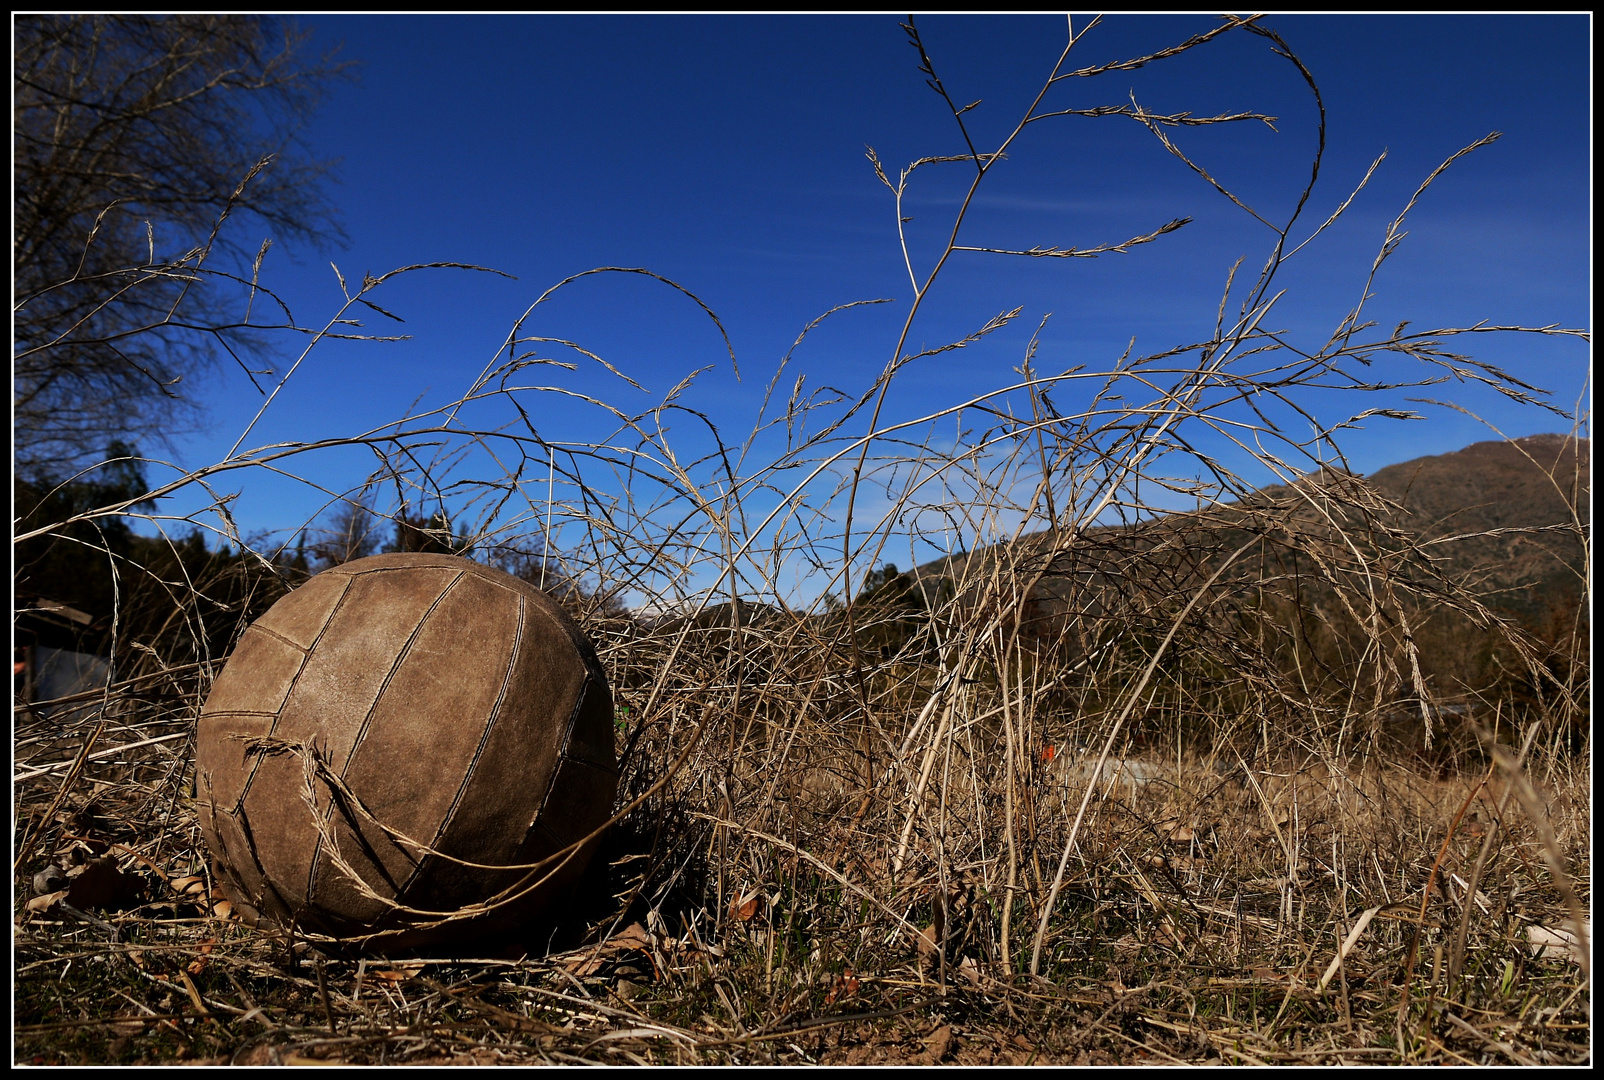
584	965
746	909
198	965
633	936
846	985
191	885
397	973
588	961
40	904
1543	940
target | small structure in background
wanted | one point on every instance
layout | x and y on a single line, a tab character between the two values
48	663
1125	776
1068	768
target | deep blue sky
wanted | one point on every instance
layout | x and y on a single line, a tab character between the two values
728	154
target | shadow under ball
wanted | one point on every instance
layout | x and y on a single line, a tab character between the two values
396	734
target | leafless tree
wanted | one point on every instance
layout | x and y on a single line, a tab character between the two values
352	531
135	136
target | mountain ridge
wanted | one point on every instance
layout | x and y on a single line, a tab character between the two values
1507	517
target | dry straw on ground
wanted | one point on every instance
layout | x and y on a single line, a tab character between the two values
1086	792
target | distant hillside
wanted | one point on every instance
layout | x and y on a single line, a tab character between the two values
1499	517
1528	484
1415	557
1493	485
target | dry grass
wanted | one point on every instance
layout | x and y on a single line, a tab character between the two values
1083	792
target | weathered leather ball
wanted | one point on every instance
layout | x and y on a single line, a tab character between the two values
395	743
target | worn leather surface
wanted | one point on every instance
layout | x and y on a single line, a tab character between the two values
390	721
